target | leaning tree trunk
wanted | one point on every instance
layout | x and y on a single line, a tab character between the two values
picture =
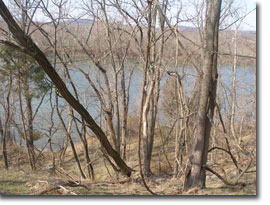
28	46
199	152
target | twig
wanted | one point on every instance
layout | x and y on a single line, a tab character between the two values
226	139
235	183
243	172
219	176
91	162
228	152
65	173
107	167
67	190
48	190
60	186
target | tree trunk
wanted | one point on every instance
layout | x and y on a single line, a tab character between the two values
89	165
177	132
63	151
81	134
29	119
203	125
233	92
145	99
124	111
30	150
4	149
116	132
212	103
6	131
69	136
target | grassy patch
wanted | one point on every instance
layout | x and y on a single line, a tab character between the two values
13	183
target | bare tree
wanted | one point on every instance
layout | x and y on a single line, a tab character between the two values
31	49
195	175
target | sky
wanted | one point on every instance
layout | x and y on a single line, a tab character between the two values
245	6
249	22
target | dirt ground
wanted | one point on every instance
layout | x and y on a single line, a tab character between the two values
66	180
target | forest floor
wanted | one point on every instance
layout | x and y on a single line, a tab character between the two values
66	180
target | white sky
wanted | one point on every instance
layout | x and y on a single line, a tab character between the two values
249	22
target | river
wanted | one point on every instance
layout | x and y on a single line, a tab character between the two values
246	88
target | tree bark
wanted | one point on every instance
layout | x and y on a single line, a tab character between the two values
89	165
6	131
124	110
203	125
233	91
145	99
212	103
29	111
4	147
